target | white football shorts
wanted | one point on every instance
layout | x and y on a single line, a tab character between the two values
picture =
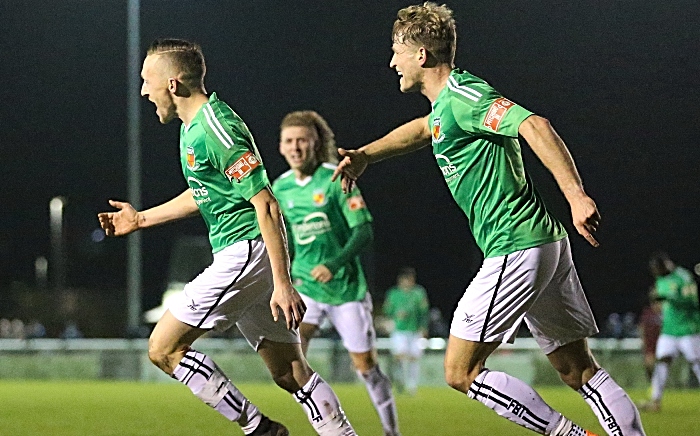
235	288
671	346
406	344
353	321
539	285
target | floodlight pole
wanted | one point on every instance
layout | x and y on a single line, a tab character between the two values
58	260
134	263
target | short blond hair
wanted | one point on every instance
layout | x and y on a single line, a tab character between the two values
430	26
326	151
186	57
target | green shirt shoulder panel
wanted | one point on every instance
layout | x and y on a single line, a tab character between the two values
480	109
231	148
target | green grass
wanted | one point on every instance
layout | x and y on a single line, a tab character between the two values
126	408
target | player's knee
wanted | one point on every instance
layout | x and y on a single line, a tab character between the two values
363	362
461	378
166	360
576	376
286	381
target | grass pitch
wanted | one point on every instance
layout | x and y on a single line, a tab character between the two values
125	408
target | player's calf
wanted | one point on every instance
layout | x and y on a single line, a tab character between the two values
208	383
323	409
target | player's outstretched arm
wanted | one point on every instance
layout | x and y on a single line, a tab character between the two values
552	151
403	139
271	224
127	219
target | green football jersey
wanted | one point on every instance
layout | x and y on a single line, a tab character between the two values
224	171
320	218
408	309
680	313
475	142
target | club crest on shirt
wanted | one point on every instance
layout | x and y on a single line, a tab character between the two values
319	198
191	162
242	167
438	135
496	112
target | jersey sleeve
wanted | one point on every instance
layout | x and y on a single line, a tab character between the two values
232	151
352	205
388	306
484	111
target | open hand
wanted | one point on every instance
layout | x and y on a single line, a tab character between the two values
121	222
352	165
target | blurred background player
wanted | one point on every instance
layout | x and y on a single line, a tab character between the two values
248	282
328	230
407	306
649	328
680	326
528	272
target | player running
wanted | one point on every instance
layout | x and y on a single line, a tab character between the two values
680	323
407	305
248	282
329	230
528	273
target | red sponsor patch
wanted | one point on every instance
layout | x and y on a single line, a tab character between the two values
356	203
247	163
496	112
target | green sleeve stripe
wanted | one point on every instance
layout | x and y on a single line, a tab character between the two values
470	93
216	127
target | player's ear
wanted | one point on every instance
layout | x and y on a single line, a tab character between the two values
172	85
422	55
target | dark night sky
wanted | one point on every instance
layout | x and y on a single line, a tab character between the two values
618	80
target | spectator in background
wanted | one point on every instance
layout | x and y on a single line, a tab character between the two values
5	328
35	330
407	305
438	327
680	327
649	330
17	329
629	327
71	331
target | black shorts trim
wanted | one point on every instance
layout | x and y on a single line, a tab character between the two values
493	299
229	287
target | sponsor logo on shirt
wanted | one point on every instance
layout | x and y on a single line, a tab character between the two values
191	163
438	136
247	163
496	112
356	202
313	224
319	197
199	191
449	170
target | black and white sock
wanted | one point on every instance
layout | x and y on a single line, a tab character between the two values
658	380
615	410
323	409
379	389
516	401
199	373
